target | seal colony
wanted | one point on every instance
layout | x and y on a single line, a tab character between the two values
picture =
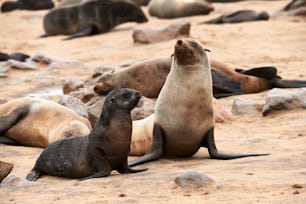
90	18
185	122
105	149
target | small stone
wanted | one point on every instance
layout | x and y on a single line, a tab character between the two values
244	107
195	180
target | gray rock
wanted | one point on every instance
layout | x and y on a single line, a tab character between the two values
72	85
279	99
245	107
193	179
74	104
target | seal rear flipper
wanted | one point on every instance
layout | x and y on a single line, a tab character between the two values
8	121
266	72
280	83
85	31
209	142
224	86
156	150
124	169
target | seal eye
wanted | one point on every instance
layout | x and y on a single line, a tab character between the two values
207	50
125	95
179	42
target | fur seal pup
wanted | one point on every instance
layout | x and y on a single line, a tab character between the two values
240	16
185	122
38	122
179	8
105	149
8	6
90	18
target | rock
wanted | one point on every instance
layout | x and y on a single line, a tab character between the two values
70	85
28	65
144	108
153	34
85	94
279	99
74	104
245	107
195	180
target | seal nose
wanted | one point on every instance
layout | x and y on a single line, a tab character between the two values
179	42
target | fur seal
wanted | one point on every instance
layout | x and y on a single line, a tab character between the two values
8	6
240	16
136	77
183	123
18	56
90	18
179	8
38	122
105	149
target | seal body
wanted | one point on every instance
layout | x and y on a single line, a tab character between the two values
179	8
105	149
185	122
138	77
92	17
8	6
38	122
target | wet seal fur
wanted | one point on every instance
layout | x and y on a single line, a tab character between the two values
38	122
183	123
8	6
90	18
105	149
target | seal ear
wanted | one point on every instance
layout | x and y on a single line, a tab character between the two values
207	50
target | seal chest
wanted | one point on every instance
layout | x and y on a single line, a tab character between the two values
184	107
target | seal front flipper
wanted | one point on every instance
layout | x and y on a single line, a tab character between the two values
124	169
6	122
8	141
209	142
85	31
103	170
33	175
156	150
5	169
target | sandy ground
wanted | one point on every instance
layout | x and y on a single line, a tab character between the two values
280	42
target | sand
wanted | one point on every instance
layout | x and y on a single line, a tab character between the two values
279	42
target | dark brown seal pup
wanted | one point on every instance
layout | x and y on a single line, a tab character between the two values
185	122
26	5
179	8
92	17
240	16
38	122
105	149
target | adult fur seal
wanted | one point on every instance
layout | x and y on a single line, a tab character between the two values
92	17
240	16
38	122
183	123
179	8
8	6
105	149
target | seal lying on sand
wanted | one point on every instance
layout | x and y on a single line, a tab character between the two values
26	5
179	8
38	122
184	122
148	77
90	18
240	16
105	149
